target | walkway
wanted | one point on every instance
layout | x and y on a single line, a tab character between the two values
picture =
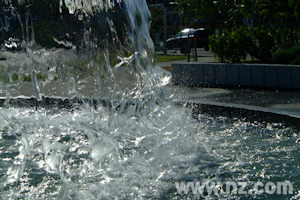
202	56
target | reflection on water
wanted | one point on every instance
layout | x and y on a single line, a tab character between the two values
59	154
134	142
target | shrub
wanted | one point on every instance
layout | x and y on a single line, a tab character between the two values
296	61
263	45
286	38
41	77
260	43
15	77
229	45
26	78
287	56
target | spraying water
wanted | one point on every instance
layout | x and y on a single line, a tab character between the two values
96	119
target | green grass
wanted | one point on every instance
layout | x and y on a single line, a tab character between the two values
169	58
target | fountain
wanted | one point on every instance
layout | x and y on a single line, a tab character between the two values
87	114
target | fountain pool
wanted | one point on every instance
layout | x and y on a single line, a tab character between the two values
122	136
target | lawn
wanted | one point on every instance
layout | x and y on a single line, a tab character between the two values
169	58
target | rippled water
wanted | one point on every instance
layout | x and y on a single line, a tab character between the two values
135	142
75	154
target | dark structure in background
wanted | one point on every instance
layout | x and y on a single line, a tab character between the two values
48	25
168	20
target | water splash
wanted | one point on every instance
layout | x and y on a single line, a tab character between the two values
97	50
88	49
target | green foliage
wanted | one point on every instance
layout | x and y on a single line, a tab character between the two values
269	10
296	61
230	45
41	77
296	5
232	12
286	37
288	56
25	77
157	19
260	43
15	77
267	40
229	12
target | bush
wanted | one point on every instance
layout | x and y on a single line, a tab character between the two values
26	78
288	56
263	45
296	61
286	38
229	45
15	77
41	77
260	43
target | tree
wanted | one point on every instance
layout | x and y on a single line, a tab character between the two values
201	9
232	12
157	19
275	12
296	5
228	11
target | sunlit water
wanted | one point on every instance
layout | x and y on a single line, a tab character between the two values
135	142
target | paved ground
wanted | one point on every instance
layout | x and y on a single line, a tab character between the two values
202	56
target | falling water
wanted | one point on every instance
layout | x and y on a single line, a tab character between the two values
87	114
